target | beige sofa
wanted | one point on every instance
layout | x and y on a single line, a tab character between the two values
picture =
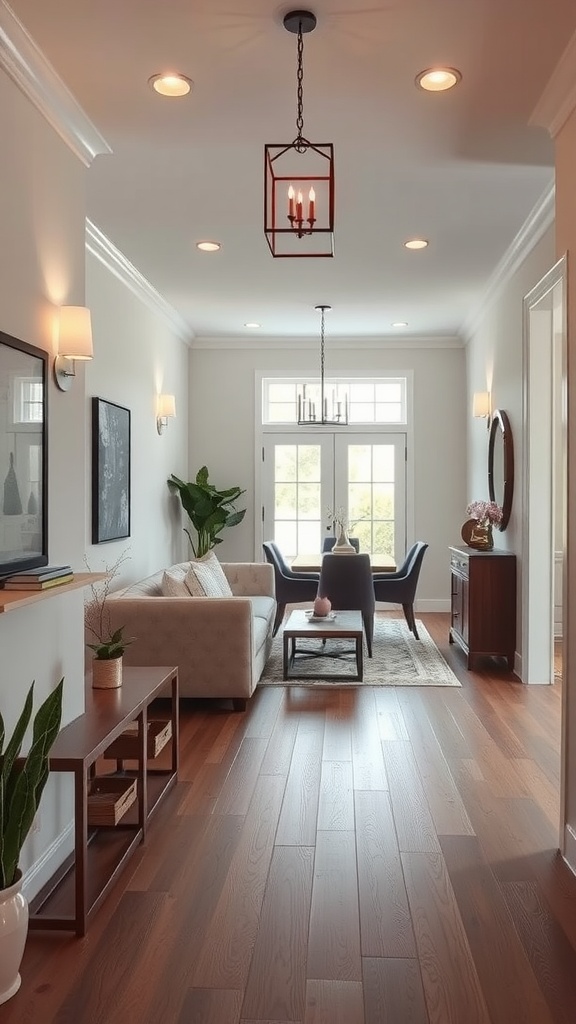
220	644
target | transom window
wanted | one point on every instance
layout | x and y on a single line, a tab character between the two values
374	400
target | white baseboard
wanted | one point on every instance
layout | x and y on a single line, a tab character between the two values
42	870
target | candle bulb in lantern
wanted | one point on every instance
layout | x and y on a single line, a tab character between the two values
291	203
311	205
299	206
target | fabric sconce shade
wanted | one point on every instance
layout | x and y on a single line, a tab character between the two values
481	404
74	342
166	408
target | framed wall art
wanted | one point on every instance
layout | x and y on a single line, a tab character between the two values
110	471
23	456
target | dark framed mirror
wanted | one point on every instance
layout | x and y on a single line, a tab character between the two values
501	464
23	456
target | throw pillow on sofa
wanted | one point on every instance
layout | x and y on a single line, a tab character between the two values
206	578
174	581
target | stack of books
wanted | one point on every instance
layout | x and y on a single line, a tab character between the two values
39	579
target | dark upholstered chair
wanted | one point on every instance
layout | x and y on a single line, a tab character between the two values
347	581
291	587
400	587
329	542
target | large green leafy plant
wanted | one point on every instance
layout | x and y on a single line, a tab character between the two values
22	781
210	511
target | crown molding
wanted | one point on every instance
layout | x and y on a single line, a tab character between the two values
99	246
559	97
27	66
534	227
242	344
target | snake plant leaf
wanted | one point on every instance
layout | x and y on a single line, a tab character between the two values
20	791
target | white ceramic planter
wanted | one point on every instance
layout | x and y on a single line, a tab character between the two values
13	932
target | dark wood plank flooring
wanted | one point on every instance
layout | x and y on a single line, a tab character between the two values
354	856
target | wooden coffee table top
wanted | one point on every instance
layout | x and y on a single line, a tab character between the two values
345	624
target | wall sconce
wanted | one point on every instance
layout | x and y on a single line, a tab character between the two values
166	408
74	342
482	406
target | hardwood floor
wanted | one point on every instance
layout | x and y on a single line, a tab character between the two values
356	856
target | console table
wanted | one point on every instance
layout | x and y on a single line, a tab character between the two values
74	893
483	603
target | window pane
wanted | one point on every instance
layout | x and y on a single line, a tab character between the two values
383	539
388	391
282	413
285	535
361	413
285	498
383	501
285	464
282	391
309	501
359	462
359	502
309	537
309	462
388	413
383	468
362	392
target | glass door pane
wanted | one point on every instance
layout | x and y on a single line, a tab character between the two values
297	489
370	482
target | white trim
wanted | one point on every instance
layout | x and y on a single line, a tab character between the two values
431	342
559	97
46	866
27	66
534	227
568	848
99	246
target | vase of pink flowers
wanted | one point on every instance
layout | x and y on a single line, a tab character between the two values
484	515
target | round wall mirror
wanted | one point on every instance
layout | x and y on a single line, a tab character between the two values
501	465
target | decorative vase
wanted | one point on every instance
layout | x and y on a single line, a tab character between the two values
107	673
13	932
481	537
343	545
322	606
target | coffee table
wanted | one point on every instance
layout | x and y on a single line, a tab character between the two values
345	625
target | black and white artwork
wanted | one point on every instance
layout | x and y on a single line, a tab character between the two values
110	471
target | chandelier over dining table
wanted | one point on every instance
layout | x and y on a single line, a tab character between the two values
299	178
315	406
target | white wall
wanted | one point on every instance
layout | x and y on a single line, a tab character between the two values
42	227
223	413
136	357
566	243
42	231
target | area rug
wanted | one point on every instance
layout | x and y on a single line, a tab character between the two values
398	659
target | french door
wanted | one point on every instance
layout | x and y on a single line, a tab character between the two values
306	474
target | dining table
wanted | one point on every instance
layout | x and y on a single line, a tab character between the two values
312	562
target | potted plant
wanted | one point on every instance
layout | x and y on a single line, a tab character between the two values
208	509
110	644
22	781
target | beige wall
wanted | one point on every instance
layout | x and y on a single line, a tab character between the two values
224	408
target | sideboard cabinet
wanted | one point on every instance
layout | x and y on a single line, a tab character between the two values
483	603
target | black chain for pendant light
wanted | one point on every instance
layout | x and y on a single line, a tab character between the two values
300	92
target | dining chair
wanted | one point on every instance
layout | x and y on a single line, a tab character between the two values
291	587
347	581
400	587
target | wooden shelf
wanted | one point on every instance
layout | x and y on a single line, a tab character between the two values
12	599
72	896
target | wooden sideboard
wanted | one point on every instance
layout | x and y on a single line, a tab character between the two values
483	603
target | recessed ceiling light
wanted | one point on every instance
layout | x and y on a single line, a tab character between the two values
400	323
438	79
171	84
254	325
416	243
208	246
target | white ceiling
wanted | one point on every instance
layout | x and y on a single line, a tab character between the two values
462	169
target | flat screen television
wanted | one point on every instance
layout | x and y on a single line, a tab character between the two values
23	456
